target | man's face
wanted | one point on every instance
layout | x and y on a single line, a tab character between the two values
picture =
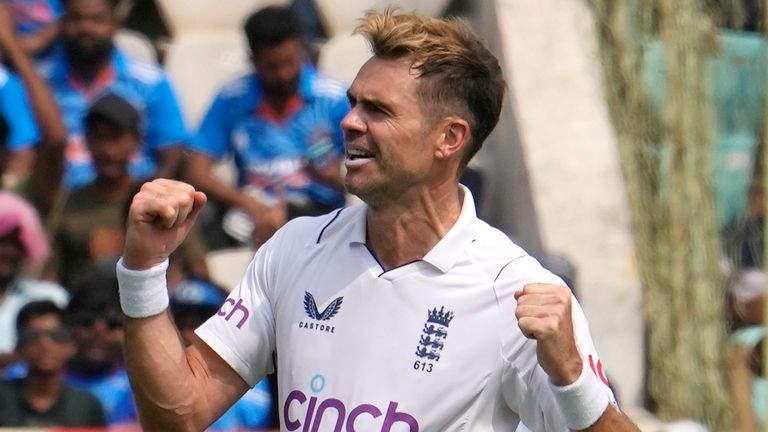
11	255
111	148
44	344
279	67
87	29
98	337
389	142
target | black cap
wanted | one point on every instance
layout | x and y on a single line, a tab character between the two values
115	110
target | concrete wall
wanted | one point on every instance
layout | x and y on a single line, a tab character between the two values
563	149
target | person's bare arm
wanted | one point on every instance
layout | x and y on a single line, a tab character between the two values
740	386
39	41
176	388
47	168
330	175
18	168
199	172
544	314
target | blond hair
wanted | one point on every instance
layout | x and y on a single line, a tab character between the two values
460	75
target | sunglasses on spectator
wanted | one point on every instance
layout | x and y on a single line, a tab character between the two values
32	336
89	318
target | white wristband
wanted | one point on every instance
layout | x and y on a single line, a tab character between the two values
143	293
583	401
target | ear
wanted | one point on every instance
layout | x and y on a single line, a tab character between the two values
453	138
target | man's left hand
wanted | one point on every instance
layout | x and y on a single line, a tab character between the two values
544	314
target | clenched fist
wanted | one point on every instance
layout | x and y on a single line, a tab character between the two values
544	314
160	217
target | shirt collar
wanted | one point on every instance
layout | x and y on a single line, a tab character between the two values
450	248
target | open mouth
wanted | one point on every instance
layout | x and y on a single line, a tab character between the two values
358	157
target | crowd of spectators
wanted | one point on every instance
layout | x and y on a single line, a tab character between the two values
82	125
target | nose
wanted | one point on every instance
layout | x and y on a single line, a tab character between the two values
352	123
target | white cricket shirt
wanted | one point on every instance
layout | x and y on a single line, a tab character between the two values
429	346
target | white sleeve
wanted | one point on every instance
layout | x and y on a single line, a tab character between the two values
525	386
242	332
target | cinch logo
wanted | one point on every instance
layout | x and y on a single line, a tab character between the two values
345	420
310	308
236	307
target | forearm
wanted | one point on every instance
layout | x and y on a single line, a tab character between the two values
37	42
330	175
19	166
44	106
162	376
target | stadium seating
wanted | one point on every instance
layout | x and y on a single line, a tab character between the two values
136	45
194	16
199	63
341	16
341	57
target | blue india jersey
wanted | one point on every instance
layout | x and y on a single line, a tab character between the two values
15	108
274	154
144	85
114	393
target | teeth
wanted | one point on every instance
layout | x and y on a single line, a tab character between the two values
358	153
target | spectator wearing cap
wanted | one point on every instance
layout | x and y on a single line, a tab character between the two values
42	398
90	228
89	66
23	245
96	322
192	302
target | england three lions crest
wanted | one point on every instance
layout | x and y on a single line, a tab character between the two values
433	334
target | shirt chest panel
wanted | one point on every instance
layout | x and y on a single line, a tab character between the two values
425	340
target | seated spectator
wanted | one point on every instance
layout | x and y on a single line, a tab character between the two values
42	398
744	306
90	228
22	243
281	124
37	24
194	301
97	366
90	66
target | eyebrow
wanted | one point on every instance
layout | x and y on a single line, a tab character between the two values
369	101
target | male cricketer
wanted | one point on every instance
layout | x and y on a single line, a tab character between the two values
405	313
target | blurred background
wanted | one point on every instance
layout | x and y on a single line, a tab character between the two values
629	160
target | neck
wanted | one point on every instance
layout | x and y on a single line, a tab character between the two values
41	389
278	103
406	231
87	72
112	188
